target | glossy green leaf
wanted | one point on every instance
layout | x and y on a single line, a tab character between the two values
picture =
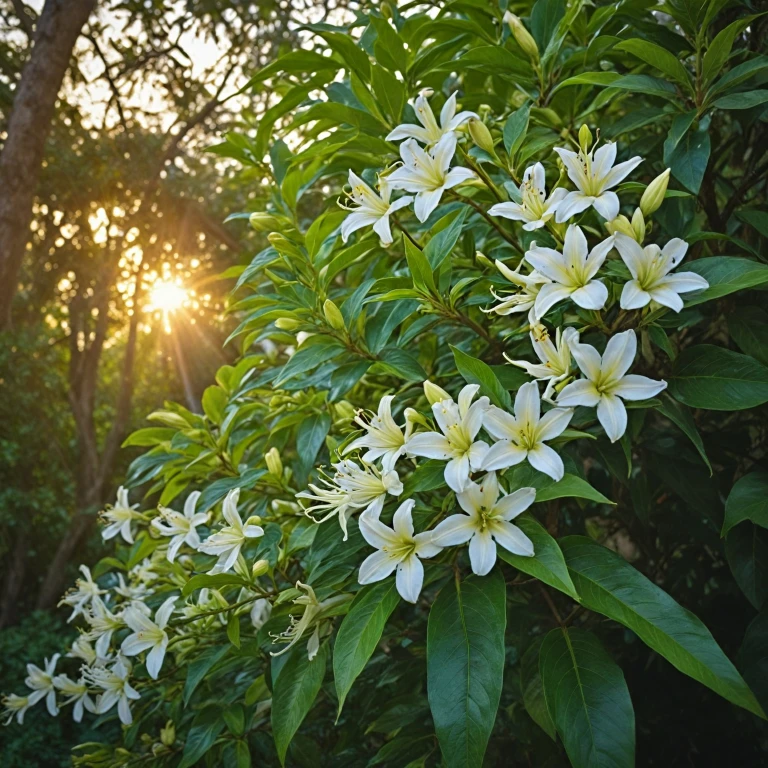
295	690
532	689
205	729
711	377
609	585
748	327
476	371
360	633
746	549
588	700
465	665
659	58
748	500
679	415
726	274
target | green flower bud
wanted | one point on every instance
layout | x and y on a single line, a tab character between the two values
264	222
481	135
333	315
638	225
253	520
654	193
260	567
481	258
345	410
168	734
434	393
585	138
620	224
523	36
287	323
274	463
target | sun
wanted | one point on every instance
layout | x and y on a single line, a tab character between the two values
166	296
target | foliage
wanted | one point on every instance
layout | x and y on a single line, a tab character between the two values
251	633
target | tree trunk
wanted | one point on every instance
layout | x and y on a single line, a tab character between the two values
14	579
34	102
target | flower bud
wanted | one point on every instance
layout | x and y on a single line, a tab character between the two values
253	520
522	35
481	258
620	224
274	464
585	138
481	135
434	393
264	222
345	410
260	567
287	323
654	193
168	734
412	416
333	315
638	225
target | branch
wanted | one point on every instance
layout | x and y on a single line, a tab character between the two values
112	84
25	19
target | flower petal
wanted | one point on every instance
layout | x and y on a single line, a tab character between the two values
376	567
619	355
510	506
512	538
410	578
613	416
581	392
546	460
633	296
482	553
635	387
457	529
457	473
591	296
502	455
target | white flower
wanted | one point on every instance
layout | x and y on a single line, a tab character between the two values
352	488
41	683
607	381
120	517
260	612
459	424
383	439
536	209
398	548
571	272
16	706
103	623
594	174
372	209
487	522
84	591
117	689
148	634
555	357
430	132
428	174
314	611
650	268
227	542
183	528
78	695
523	300
82	649
131	589
523	435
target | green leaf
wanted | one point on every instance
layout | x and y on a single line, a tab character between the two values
711	377
748	500
360	633
678	414
545	16
726	274
743	100
200	667
547	564
421	271
440	246
310	437
257	691
746	549
465	665
588	700
689	160
214	401
753	656
476	371
533	689
212	581
609	585
389	91
402	363
515	129
233	629
748	327
571	486
295	691
149	436
205	729
659	58
309	356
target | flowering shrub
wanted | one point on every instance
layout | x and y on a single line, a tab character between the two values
536	200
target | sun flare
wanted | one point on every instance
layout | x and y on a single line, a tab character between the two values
166	296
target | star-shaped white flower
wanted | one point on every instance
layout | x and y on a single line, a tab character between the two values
650	268
120	516
594	174
17	706
536	208
398	548
383	439
371	209
352	488
428	174
522	300
78	695
572	272
607	382
183	528
459	424
487	523
555	356
227	542
148	635
41	683
523	435
80	596
429	132
103	623
116	686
